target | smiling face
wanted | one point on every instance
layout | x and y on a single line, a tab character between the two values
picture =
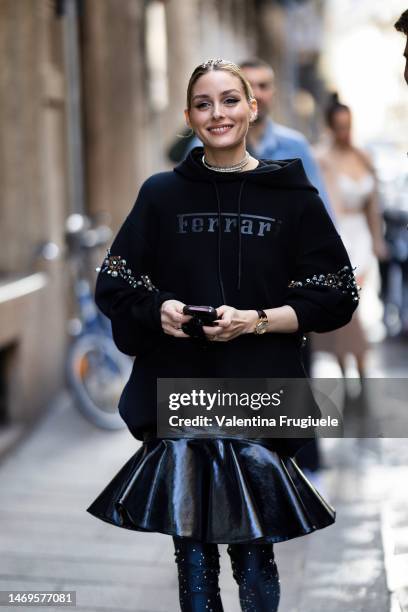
220	113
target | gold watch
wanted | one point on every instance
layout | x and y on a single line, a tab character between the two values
262	324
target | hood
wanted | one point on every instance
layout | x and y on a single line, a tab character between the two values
286	173
281	174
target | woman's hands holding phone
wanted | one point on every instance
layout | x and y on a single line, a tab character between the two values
232	322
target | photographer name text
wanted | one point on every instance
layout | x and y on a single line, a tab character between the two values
254	421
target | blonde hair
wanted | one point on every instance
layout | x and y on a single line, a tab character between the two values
218	64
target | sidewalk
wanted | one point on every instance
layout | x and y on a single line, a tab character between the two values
49	541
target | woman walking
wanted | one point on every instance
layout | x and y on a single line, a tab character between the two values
352	185
253	239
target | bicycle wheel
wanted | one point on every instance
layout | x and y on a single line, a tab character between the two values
97	373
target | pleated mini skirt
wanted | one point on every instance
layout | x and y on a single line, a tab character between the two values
219	490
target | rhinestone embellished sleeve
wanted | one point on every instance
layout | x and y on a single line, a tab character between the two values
115	265
343	279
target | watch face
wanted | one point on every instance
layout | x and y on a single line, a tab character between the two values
261	327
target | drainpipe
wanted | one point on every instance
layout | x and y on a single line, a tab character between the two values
69	10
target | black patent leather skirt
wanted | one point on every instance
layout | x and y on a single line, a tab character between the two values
223	490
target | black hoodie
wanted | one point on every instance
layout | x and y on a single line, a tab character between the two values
256	239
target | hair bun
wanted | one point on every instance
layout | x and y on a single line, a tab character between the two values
334	98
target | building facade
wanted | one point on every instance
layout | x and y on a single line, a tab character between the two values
93	92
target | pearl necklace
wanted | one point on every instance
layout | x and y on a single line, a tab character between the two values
233	168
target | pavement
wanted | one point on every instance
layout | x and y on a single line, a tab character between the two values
49	541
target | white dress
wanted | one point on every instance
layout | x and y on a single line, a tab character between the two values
354	230
352	221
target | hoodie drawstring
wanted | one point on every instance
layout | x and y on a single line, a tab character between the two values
219	245
239	256
239	236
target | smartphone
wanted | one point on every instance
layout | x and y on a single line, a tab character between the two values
205	314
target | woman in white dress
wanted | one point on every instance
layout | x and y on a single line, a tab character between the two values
352	186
